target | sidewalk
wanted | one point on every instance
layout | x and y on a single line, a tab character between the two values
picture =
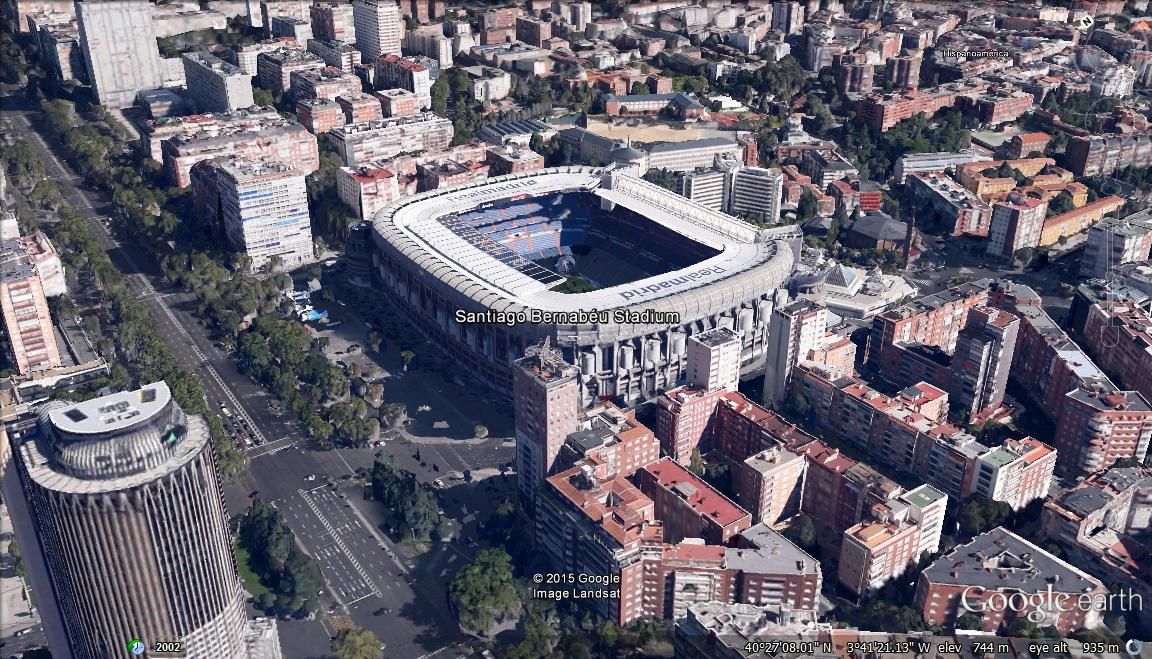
15	610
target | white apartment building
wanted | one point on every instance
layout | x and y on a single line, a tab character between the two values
708	188
379	27
396	72
264	211
756	191
429	40
375	140
714	359
797	329
215	85
338	54
244	56
691	154
488	83
880	549
119	45
1113	241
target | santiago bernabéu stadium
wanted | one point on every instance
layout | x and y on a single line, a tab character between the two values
476	268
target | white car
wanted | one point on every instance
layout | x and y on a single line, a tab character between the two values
310	477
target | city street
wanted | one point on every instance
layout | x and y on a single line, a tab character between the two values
278	468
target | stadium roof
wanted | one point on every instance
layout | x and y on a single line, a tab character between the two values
749	261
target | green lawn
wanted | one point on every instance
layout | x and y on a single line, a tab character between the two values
251	580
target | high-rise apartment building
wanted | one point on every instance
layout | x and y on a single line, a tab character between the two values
274	69
1096	422
411	73
245	55
714	359
546	405
278	139
903	70
31	344
379	27
797	329
983	358
756	191
338	54
128	508
683	417
1017	472
1118	333
430	41
882	548
297	30
333	19
120	52
375	140
260	205
708	187
769	484
934	320
1113	241
1017	222
215	85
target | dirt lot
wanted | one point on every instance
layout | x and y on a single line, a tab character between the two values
653	133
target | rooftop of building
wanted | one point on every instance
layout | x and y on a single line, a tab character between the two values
715	337
880	226
701	496
1002	560
827	457
771	459
546	364
734	625
521	127
365	127
244	170
15	265
514	153
256	113
939	300
692	145
210	61
395	93
615	505
291	56
679	99
923	496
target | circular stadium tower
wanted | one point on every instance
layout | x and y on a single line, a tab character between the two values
615	270
132	520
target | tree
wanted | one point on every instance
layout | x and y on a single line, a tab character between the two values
484	593
980	514
414	512
808	208
640	89
291	575
407	356
696	462
969	621
480	432
356	643
802	532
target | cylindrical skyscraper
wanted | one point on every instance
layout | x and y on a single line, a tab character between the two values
130	511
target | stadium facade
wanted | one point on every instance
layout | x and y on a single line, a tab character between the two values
476	267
